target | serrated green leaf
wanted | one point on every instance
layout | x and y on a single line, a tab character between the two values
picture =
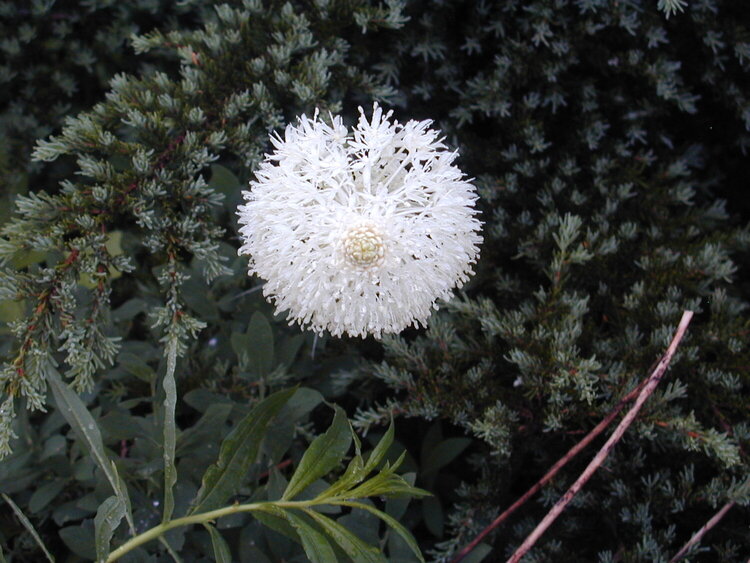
316	546
392	522
355	548
238	452
222	553
325	453
29	526
108	517
83	424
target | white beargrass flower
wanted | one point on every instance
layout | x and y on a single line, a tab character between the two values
360	232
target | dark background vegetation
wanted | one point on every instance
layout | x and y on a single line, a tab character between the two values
554	107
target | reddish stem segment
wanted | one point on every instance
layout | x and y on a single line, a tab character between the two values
562	462
702	532
648	389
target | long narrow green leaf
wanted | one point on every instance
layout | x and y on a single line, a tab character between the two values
316	546
325	453
170	432
212	420
122	494
83	424
381	449
355	548
269	516
29	526
238	452
260	351
352	476
108	517
392	522
222	553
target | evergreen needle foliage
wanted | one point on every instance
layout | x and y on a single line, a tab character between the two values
146	385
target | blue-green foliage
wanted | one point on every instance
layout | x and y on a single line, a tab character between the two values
584	124
602	136
57	59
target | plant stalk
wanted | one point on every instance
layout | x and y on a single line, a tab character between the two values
203	517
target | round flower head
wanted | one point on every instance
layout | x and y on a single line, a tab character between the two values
359	232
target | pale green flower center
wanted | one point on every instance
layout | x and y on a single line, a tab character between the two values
363	246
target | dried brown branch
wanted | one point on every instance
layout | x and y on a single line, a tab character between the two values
648	389
702	532
574	451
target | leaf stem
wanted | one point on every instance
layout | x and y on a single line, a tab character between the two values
158	531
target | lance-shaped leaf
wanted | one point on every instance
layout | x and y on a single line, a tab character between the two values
83	424
381	449
317	547
357	470
29	527
222	553
170	431
108	517
354	547
238	452
393	523
325	453
269	516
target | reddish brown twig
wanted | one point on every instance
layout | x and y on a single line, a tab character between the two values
280	465
648	389
702	532
574	451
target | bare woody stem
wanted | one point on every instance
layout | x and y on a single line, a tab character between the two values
702	532
562	462
648	389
